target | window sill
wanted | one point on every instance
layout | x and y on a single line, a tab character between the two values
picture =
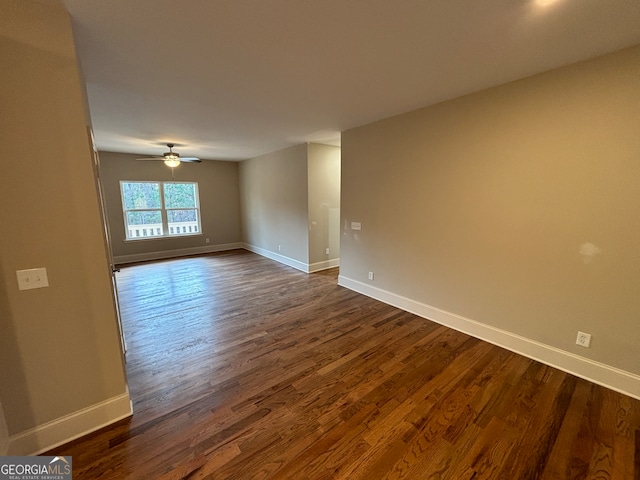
161	237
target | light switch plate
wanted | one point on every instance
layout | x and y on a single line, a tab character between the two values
356	226
32	278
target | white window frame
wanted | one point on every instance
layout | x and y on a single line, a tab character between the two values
167	231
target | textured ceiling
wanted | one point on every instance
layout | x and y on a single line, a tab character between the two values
234	79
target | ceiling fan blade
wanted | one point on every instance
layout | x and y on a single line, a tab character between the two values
190	159
151	158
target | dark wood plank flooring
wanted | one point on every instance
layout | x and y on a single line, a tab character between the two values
242	368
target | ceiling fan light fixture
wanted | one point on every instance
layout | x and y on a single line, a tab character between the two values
172	161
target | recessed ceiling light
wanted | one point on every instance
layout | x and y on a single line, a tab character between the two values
545	3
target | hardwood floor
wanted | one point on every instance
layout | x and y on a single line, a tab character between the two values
242	368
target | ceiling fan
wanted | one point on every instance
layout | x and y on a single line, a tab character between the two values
173	159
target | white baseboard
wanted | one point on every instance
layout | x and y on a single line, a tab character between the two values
324	265
298	265
596	372
304	267
65	429
182	252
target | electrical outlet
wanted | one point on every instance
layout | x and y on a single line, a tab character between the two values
326	251
370	275
206	240
279	248
32	278
583	339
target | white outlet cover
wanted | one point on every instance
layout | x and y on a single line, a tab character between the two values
32	278
583	339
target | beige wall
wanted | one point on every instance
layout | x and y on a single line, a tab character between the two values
324	202
274	203
59	346
4	432
219	202
481	206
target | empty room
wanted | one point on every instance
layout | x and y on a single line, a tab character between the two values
320	239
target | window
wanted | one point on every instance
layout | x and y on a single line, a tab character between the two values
160	209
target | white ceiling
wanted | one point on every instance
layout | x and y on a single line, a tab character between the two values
233	79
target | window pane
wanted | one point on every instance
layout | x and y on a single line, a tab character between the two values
180	195
184	221
176	216
140	195
144	218
144	224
